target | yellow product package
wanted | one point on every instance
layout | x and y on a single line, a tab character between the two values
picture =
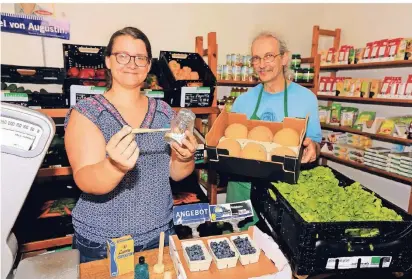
120	253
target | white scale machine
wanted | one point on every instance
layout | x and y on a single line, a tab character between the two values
25	138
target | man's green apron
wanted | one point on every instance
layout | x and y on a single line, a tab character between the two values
240	191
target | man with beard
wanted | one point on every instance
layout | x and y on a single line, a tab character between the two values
273	99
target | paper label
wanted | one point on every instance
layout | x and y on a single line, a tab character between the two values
365	262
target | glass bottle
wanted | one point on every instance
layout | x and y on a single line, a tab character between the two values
141	270
182	122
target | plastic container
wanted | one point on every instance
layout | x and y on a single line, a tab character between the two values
226	262
250	258
197	265
185	59
183	121
83	56
33	75
312	246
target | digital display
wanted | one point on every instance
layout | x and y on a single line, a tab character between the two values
19	134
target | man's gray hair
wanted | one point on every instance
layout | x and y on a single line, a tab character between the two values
283	48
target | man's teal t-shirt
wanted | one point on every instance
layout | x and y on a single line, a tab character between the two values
301	103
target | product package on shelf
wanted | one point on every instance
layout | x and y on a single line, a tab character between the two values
188	78
254	148
227	257
384	50
318	240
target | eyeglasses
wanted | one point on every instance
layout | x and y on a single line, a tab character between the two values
268	58
124	59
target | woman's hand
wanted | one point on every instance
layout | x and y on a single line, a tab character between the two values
185	153
123	150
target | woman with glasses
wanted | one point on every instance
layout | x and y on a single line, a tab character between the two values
273	99
124	177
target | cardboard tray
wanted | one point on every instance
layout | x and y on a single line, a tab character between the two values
279	169
272	263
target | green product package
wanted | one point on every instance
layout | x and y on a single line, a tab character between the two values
363	118
335	114
324	114
348	116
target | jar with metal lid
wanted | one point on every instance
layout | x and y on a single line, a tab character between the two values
229	103
311	74
306	75
182	122
296	75
296	60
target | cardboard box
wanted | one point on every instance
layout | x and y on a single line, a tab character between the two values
278	169
120	254
271	264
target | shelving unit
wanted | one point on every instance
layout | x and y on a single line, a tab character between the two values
372	65
373	136
317	32
376	101
251	84
61	171
46	244
386	174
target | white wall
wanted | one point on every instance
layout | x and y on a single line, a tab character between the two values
167	29
175	26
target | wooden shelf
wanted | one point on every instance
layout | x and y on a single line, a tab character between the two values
306	84
54	113
307	60
371	65
46	244
376	171
236	83
373	136
377	101
205	185
57	113
251	84
46	172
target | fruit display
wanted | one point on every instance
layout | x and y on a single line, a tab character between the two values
221	249
317	197
257	143
86	73
244	246
195	253
282	151
14	88
232	146
287	137
236	131
254	151
260	133
184	73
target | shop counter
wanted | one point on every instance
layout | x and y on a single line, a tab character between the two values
100	269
